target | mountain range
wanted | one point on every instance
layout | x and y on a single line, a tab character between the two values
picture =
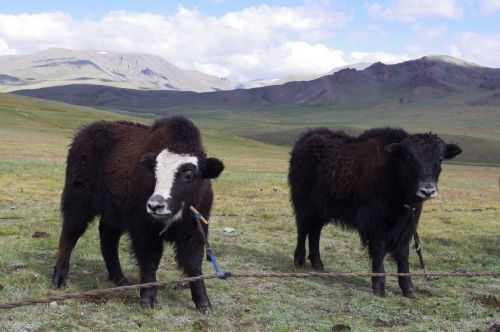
423	79
56	67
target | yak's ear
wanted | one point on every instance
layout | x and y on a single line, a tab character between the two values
451	151
393	148
148	160
213	168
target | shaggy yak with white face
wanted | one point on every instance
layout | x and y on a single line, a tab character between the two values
375	183
140	180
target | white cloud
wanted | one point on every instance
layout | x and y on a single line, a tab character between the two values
253	42
410	10
489	7
481	49
35	31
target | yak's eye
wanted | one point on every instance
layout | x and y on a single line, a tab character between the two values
188	176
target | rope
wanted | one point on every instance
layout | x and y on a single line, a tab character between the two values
100	292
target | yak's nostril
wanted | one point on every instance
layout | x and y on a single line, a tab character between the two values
427	191
155	206
156	203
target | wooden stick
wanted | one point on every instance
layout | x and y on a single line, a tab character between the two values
199	214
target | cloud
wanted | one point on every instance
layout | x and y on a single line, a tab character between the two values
35	31
410	10
489	7
478	48
250	43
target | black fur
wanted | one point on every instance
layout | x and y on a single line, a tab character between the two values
110	173
367	183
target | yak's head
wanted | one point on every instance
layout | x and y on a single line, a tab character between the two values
418	161
179	180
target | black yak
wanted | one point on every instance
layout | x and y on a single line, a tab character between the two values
140	180
375	183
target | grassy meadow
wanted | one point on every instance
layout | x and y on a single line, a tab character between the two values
460	230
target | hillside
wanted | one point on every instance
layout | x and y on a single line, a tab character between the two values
446	95
56	67
427	78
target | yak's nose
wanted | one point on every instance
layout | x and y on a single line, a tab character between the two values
427	190
156	204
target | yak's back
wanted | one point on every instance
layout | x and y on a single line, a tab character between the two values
312	149
342	165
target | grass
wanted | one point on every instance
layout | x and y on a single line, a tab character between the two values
461	231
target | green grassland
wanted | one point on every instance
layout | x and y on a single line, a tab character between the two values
476	129
461	231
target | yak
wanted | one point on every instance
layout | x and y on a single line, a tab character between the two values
141	180
374	183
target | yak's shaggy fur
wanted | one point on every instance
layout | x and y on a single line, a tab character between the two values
368	183
110	173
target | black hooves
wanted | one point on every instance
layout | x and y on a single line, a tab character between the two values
59	277
316	263
299	261
148	302
204	308
379	292
148	298
120	281
409	293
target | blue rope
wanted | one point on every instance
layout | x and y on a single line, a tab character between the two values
210	252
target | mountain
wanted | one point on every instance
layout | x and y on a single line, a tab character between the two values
427	78
56	67
279	81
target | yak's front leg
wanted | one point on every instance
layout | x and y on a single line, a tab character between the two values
189	256
405	283
148	251
377	254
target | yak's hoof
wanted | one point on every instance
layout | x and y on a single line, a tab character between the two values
120	281
148	298
299	261
204	308
148	302
317	264
379	292
59	277
409	293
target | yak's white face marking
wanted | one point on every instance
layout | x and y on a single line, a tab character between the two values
167	165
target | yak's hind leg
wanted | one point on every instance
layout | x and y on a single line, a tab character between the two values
110	239
303	229
377	253
77	214
314	254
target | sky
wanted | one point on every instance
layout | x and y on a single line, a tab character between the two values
246	40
